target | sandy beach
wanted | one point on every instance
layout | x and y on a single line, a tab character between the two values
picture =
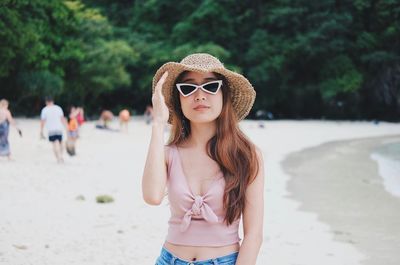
49	213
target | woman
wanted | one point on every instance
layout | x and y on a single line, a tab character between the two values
213	173
5	120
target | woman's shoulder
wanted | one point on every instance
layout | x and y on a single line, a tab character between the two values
5	111
259	153
258	149
168	149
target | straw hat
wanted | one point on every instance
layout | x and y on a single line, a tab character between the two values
241	91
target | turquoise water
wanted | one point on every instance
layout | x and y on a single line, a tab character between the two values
388	159
391	151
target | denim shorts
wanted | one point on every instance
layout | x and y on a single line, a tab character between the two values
167	258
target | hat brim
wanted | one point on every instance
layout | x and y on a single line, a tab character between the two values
240	89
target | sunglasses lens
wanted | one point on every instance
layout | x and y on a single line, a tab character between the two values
187	89
212	87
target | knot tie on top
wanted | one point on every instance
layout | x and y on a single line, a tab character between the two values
201	209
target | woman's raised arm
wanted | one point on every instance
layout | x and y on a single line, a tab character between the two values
155	171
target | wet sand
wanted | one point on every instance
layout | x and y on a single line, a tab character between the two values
340	183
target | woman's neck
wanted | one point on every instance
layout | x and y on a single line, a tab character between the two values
201	133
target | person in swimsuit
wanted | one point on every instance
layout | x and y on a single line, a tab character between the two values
213	173
124	117
5	120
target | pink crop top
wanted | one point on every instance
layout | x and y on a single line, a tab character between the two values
196	220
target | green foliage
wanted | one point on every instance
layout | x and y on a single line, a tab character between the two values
210	15
31	34
100	60
339	76
103	67
304	58
40	83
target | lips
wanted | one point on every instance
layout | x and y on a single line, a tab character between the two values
201	107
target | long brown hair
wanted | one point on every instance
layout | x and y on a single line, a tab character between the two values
229	147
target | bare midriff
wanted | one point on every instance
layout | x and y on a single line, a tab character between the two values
195	253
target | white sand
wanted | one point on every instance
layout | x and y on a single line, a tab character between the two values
42	222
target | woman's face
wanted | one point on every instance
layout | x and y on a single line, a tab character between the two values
201	106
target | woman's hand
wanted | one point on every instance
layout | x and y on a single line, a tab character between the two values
160	109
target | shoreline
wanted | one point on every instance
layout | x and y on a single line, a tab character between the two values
341	184
388	159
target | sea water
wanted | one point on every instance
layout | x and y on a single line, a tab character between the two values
388	159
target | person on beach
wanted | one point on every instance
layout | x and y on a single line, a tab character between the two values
213	173
124	116
73	131
148	114
52	116
6	120
80	116
105	118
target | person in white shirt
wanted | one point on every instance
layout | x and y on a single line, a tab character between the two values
52	116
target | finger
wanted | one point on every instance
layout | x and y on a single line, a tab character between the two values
161	82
